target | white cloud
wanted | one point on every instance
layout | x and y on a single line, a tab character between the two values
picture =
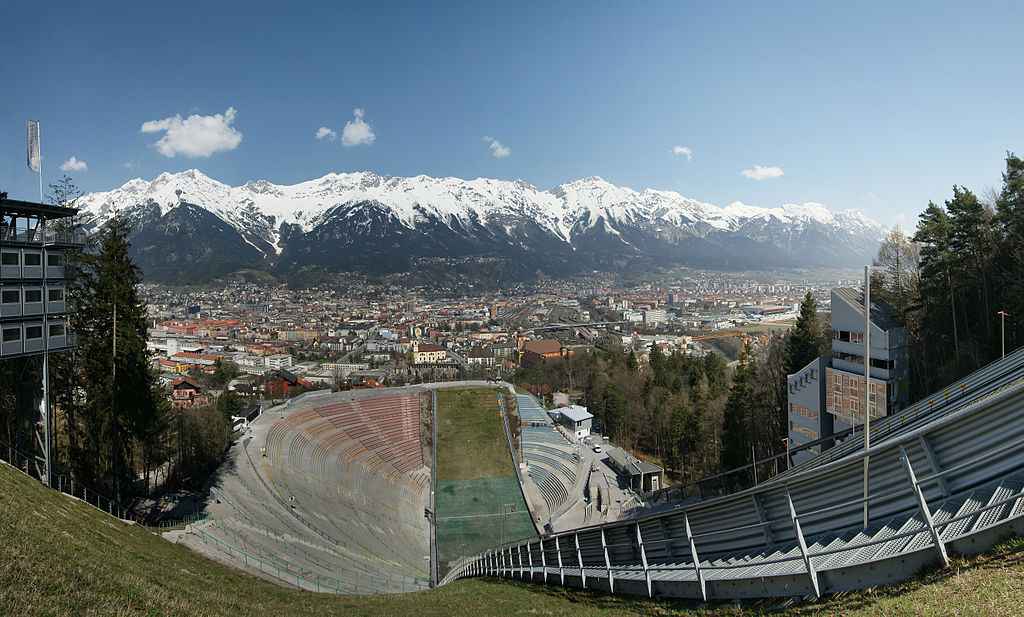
325	133
131	164
73	164
357	132
196	136
900	218
683	150
497	149
760	173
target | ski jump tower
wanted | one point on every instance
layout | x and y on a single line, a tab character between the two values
34	313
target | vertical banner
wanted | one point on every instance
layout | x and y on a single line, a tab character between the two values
33	144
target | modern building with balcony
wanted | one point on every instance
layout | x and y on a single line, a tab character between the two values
34	307
827	395
34	313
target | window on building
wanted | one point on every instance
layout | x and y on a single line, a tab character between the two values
807	413
33	332
10	296
54	259
803	430
55	295
883	364
56	329
11	335
9	259
33	259
33	295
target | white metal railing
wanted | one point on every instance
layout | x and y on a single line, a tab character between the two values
35	236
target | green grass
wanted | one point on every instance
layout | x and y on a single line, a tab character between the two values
61	557
475	476
481	499
471	442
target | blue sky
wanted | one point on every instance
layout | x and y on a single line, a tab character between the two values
875	106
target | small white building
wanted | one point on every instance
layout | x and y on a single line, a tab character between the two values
278	360
577	419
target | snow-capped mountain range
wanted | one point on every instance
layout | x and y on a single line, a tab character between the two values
187	224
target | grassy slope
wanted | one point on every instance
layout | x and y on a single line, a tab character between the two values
60	557
470	439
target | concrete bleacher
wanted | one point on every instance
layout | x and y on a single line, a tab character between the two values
553	464
327	494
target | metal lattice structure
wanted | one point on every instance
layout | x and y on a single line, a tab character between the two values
949	477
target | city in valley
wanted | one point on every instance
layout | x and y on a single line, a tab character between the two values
282	341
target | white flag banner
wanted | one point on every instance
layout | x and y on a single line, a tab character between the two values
33	145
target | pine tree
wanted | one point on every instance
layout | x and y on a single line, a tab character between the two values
736	421
803	344
123	414
614	408
1010	218
657	363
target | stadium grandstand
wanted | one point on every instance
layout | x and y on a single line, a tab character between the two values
327	493
552	462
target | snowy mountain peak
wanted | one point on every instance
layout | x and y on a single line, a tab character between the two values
482	213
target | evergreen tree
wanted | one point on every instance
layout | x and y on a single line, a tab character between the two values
736	421
715	370
658	369
937	306
124	411
804	342
1010	218
614	408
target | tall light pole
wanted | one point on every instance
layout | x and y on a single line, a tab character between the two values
1002	328
867	383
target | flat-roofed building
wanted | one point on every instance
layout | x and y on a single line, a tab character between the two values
640	476
827	395
576	419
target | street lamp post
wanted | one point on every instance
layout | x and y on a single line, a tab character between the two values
1002	328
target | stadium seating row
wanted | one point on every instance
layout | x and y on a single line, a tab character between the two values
553	465
335	503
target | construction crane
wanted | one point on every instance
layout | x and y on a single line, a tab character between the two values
724	334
